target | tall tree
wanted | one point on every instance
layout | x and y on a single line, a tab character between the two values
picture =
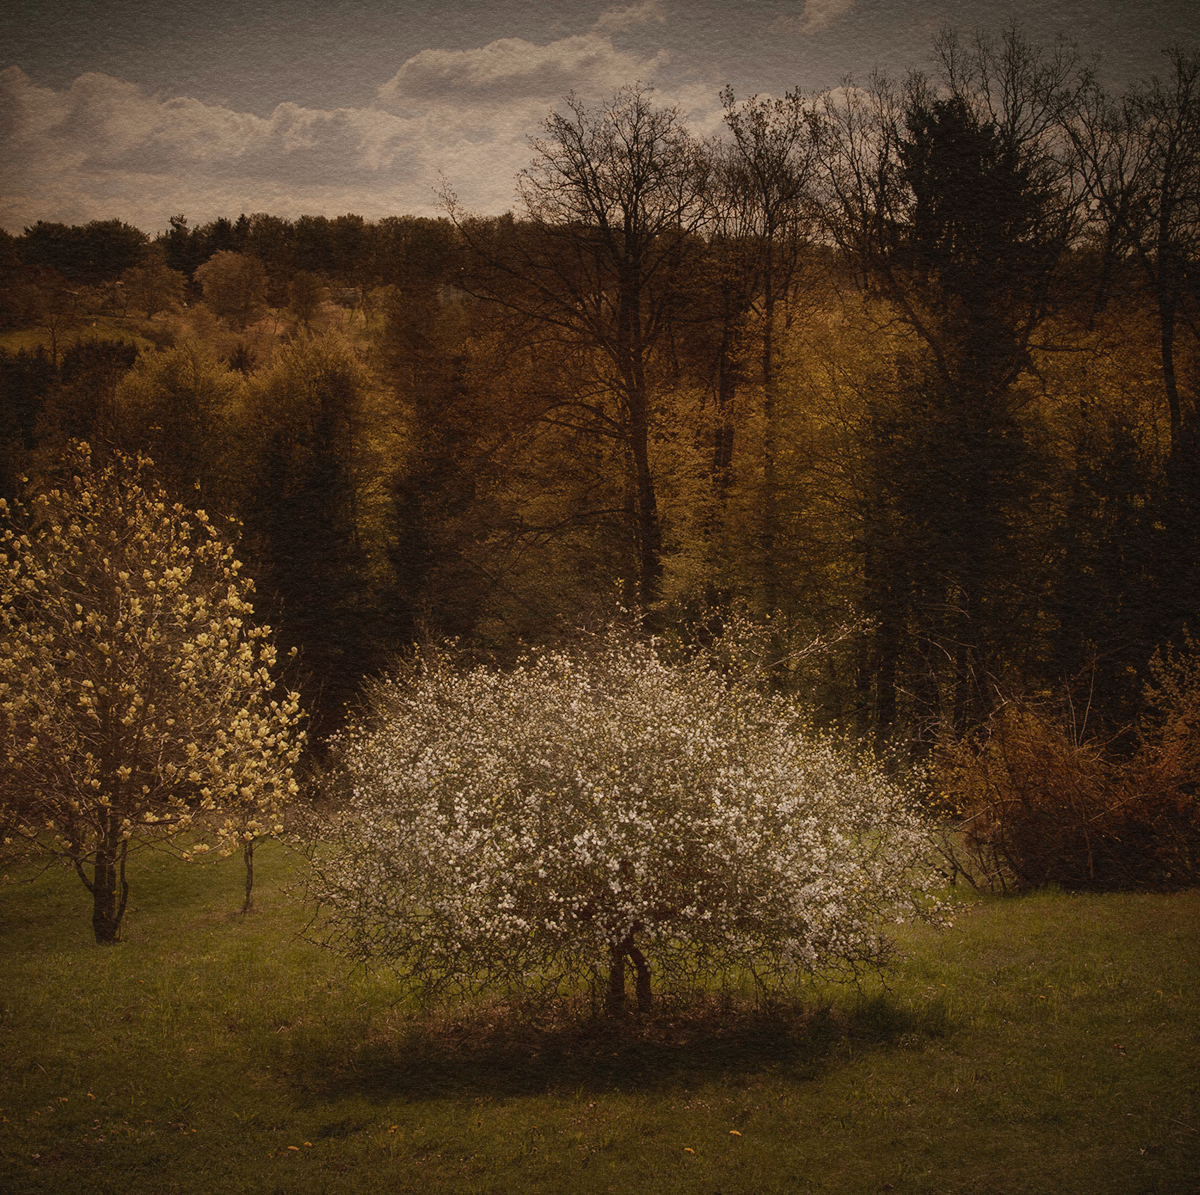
764	217
1140	162
953	204
1139	159
611	203
301	431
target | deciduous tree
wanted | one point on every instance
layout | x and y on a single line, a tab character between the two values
235	286
596	809
765	217
138	701
953	201
612	200
153	286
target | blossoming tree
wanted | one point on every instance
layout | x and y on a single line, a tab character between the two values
137	700
592	812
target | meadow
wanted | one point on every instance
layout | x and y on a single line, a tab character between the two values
1041	1043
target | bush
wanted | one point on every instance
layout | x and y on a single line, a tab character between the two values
1035	806
595	809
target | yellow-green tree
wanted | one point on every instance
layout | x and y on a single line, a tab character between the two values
153	286
176	406
234	285
138	701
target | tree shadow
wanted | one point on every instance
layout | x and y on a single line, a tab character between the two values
491	1052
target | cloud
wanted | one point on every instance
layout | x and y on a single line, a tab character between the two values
105	147
512	68
619	20
817	16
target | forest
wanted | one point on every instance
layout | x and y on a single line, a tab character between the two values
905	372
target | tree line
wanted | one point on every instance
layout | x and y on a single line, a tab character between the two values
918	359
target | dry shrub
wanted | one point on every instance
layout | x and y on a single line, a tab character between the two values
1033	805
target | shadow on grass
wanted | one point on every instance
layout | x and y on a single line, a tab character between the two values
490	1053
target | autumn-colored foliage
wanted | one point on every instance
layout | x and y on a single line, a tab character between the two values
1030	803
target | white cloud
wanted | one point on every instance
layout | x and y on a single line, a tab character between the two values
513	69
103	147
818	15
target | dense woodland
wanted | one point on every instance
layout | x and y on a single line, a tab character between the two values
908	369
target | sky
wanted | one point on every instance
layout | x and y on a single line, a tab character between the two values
143	109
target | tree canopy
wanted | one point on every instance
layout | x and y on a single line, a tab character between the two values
139	703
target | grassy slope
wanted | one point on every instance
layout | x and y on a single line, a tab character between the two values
100	327
1042	1044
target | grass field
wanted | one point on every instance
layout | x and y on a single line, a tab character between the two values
1047	1043
100	327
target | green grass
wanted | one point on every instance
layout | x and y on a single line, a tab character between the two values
99	327
1041	1044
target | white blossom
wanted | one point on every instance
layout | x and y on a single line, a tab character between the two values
513	829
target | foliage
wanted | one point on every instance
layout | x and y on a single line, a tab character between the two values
177	407
306	293
945	413
527	829
88	254
138	701
235	286
154	286
81	403
1039	804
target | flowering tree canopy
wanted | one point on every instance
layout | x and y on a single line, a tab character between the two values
595	808
136	698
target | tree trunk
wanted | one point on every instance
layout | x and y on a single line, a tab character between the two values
108	886
887	655
615	1001
645	997
1167	320
649	533
248	855
722	460
767	537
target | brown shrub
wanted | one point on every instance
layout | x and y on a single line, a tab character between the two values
1031	805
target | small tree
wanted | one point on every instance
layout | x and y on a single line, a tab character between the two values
234	285
153	286
136	698
592	809
306	293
